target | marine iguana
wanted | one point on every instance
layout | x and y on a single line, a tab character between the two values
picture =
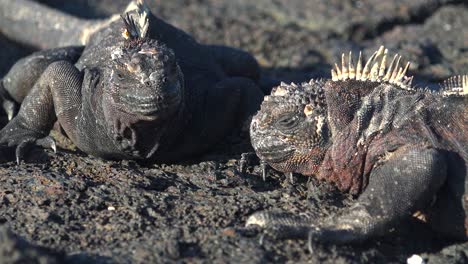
139	88
400	150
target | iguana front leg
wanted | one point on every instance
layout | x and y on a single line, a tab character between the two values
403	183
57	94
21	78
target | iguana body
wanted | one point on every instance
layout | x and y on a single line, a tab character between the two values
140	89
399	149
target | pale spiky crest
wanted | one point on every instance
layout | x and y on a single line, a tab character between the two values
375	69
280	91
143	19
457	85
136	27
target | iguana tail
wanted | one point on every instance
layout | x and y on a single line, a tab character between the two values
37	25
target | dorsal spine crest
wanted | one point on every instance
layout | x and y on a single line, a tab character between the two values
374	70
136	28
456	85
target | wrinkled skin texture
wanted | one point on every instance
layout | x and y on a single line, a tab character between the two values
399	151
140	89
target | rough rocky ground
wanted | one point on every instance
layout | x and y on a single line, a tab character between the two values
69	207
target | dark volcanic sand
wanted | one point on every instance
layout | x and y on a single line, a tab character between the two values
69	207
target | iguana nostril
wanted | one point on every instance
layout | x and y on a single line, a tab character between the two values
132	67
253	126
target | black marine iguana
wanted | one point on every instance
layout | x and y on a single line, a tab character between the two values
139	89
399	149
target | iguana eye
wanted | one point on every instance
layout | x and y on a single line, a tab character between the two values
287	122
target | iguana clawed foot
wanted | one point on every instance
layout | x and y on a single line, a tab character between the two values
281	224
18	136
125	134
289	226
247	159
352	226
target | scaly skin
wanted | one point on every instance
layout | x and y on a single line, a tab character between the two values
398	149
141	88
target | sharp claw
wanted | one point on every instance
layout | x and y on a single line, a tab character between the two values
9	108
242	166
310	242
291	177
19	151
317	236
152	151
261	239
243	163
8	104
134	136
47	142
264	169
54	146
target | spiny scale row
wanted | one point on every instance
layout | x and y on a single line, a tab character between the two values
374	70
284	88
456	85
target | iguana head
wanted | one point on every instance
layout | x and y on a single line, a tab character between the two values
293	130
290	130
146	80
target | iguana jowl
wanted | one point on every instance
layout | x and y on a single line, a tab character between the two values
139	89
398	149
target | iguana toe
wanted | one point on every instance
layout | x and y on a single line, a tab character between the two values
247	159
23	147
282	225
10	109
47	142
17	135
264	167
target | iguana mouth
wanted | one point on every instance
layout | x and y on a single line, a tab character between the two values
275	154
153	104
